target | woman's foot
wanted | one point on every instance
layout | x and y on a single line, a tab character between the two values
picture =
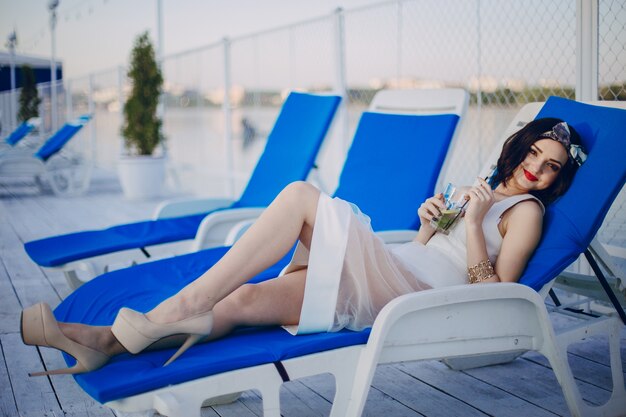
40	328
135	331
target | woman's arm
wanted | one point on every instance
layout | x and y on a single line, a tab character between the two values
522	231
481	198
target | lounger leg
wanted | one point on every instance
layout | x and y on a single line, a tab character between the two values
344	378
361	382
172	405
271	399
557	356
617	403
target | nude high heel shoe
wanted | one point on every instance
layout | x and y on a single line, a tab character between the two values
40	328
136	332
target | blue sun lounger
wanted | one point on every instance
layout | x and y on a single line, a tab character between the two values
21	131
48	165
398	156
289	155
508	319
57	141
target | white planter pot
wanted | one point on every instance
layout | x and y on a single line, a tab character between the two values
142	177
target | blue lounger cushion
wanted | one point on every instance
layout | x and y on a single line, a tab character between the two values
57	141
571	223
410	149
289	154
18	134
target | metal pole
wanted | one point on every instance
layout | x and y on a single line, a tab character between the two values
69	111
399	44
11	42
159	31
228	122
340	70
161	105
479	88
586	50
52	5
121	74
92	125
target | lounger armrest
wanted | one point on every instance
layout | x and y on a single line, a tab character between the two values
215	227
397	236
188	206
459	321
237	231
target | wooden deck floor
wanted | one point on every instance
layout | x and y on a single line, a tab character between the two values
524	387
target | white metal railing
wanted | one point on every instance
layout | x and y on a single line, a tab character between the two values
505	53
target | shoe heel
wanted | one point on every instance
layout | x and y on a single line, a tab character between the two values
32	327
192	339
76	369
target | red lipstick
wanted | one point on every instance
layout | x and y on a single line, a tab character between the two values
529	176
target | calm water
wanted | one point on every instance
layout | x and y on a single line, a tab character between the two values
198	152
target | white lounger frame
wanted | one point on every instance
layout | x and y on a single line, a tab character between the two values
513	319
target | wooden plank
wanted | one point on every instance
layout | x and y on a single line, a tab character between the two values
30	284
69	394
9	305
240	407
302	393
485	397
419	396
377	403
8	407
533	383
33	396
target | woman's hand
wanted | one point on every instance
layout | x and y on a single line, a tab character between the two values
431	210
481	198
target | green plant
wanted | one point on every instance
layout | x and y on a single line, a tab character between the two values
142	126
29	97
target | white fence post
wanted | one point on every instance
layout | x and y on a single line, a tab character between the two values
341	84
228	126
92	124
586	50
121	75
69	110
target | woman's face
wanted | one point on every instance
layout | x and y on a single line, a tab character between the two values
541	166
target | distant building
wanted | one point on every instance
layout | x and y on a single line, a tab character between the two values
41	67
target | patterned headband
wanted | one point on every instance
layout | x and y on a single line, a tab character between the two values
560	133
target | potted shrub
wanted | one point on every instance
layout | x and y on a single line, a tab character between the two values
29	97
141	171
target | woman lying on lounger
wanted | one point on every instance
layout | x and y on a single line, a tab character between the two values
350	274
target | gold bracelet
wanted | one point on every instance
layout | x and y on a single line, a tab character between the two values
480	272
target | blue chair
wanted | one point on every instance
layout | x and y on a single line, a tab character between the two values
289	155
21	132
512	318
49	165
398	157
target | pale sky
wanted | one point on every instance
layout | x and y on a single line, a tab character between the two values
95	35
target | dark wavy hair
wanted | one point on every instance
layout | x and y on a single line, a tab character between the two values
516	148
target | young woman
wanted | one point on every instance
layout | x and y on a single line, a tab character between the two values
342	274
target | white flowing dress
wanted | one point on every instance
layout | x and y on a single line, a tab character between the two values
352	273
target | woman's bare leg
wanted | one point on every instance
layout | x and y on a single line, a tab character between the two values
290	217
274	302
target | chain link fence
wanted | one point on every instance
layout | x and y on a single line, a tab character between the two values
221	100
